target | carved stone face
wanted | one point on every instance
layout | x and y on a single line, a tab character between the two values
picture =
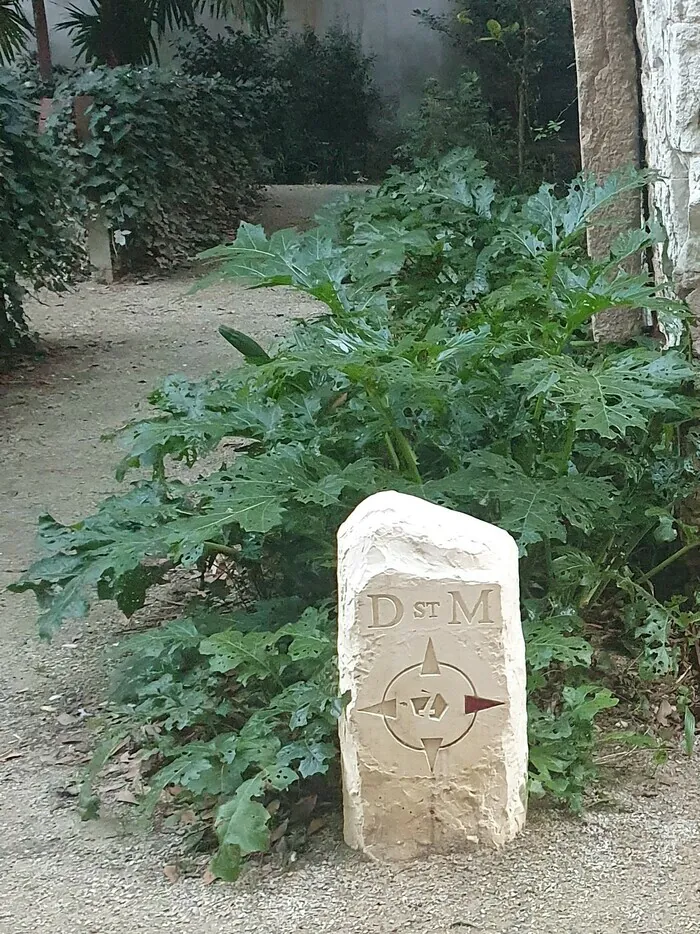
433	739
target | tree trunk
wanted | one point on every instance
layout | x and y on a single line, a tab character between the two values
43	46
609	107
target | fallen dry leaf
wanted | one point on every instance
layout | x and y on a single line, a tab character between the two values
664	712
135	767
171	872
315	825
208	877
126	797
303	808
279	831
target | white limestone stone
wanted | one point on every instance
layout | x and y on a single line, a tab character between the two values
668	33
431	652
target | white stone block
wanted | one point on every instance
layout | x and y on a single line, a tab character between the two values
434	737
99	244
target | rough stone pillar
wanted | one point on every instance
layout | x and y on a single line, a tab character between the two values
434	736
609	115
669	42
98	234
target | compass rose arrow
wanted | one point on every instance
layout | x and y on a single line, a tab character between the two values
432	748
474	704
430	692
385	708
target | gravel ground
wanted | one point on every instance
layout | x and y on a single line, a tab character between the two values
629	867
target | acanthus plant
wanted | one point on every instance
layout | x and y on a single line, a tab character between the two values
449	357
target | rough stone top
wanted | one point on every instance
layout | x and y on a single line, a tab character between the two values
392	529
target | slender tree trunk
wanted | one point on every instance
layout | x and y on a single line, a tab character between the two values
43	46
522	97
609	109
522	124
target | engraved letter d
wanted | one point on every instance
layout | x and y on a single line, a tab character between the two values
377	621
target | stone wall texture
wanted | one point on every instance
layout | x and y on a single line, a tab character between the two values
668	33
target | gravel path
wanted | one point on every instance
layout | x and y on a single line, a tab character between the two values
629	867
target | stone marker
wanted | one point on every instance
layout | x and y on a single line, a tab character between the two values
98	233
434	737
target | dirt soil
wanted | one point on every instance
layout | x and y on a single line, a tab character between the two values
630	866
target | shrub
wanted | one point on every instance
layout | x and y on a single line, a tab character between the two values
457	117
450	358
319	106
38	245
523	54
170	164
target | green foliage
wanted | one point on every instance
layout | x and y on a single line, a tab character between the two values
522	52
37	240
451	359
454	116
157	141
318	106
126	32
15	29
246	705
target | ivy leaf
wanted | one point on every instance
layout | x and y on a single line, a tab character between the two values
226	864
586	701
550	640
574	569
310	636
313	758
103	553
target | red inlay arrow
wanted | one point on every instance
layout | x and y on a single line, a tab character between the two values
474	704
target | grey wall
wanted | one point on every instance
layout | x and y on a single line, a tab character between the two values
405	51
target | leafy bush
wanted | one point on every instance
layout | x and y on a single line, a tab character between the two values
523	54
451	359
318	105
456	117
37	240
170	163
128	32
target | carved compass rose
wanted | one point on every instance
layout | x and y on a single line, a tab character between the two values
430	706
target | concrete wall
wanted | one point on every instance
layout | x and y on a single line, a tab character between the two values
406	52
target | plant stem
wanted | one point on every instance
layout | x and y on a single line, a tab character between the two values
568	442
392	453
407	455
218	549
43	46
670	560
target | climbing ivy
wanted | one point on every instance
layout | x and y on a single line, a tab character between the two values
169	161
39	245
